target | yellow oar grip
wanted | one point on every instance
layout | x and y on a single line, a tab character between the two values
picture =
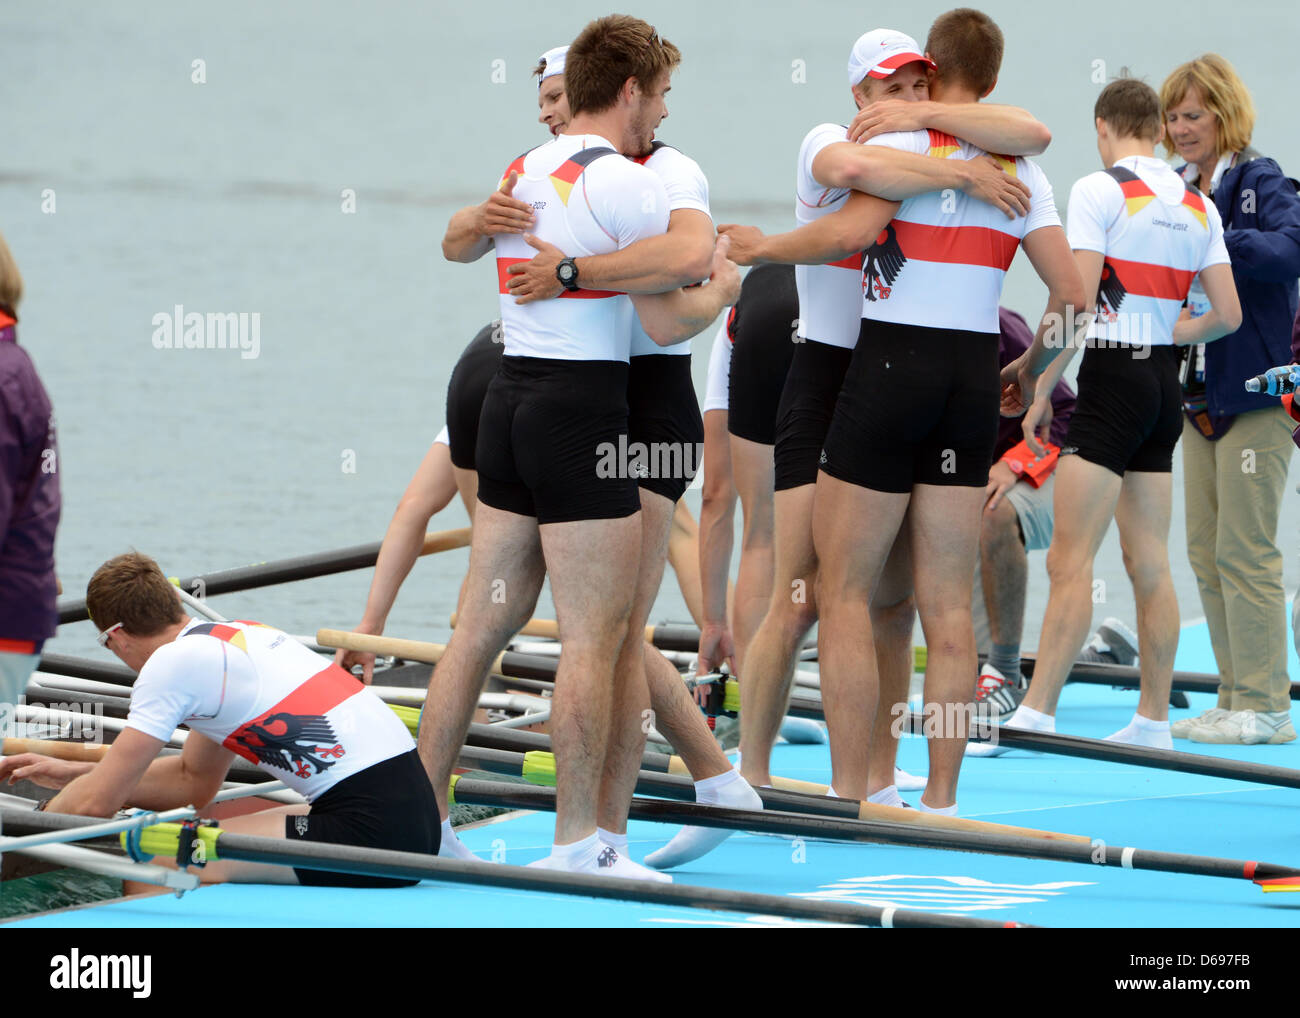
409	716
539	768
165	840
451	790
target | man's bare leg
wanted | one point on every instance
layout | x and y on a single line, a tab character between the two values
506	571
791	612
1004	573
945	541
593	565
1142	513
853	530
893	615
753	472
1083	506
631	697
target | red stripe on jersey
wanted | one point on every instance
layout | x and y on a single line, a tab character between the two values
1136	189
938	139
318	695
1147	280
503	278
853	261
516	167
17	646
961	245
568	171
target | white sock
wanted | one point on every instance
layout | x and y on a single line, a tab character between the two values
907	782
618	842
1142	731
451	847
578	852
728	789
1032	720
887	796
943	811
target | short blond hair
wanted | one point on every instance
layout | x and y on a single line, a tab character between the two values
11	280
1224	94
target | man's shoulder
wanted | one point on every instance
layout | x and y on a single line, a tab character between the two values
187	651
669	159
823	135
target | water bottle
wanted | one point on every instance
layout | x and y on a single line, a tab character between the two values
1274	381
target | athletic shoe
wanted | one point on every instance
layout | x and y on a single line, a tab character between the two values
1247	728
996	694
1182	728
1112	644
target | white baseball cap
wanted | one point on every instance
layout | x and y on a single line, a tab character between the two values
552	62
882	51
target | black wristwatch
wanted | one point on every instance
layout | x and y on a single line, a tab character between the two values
567	273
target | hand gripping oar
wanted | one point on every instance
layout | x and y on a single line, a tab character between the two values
302	567
1095	853
164	839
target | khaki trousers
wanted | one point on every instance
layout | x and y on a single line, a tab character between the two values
1232	492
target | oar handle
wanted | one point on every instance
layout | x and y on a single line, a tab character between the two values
410	650
79	751
549	629
445	540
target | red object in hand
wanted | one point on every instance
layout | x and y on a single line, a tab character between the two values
1028	467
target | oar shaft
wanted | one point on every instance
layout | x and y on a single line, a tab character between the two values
301	567
809	826
79	751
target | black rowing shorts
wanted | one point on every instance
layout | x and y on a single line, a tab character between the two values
664	416
552	441
389	805
1129	413
805	410
918	406
465	392
762	328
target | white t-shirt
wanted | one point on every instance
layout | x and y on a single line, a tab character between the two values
687	188
263	695
587	203
830	296
716	387
940	263
1157	235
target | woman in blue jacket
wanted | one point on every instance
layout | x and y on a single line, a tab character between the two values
1237	445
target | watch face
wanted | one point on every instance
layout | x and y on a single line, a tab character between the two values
568	272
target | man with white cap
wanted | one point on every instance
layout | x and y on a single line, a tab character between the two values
836	182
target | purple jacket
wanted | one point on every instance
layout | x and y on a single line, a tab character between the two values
29	497
1016	338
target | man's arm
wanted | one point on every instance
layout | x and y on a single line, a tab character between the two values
1224	316
671	260
1007	130
676	316
896	175
470	231
828	239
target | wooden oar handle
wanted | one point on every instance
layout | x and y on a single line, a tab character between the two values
898	815
411	650
445	540
51	747
546	629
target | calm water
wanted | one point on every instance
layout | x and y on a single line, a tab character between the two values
229	195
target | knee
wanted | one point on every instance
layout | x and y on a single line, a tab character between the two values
999	531
894	618
1066	564
794	609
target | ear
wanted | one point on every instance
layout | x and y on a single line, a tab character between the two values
989	91
628	93
1102	130
857	96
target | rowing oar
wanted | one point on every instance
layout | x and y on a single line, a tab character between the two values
658	778
164	840
678	638
508	663
83	668
301	567
538	767
79	751
1096	853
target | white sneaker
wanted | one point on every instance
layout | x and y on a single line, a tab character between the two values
1114	643
1182	728
905	782
1247	728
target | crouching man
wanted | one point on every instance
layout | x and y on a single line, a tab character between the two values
249	690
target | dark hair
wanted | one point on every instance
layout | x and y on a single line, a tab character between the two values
608	52
966	47
1130	108
132	590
